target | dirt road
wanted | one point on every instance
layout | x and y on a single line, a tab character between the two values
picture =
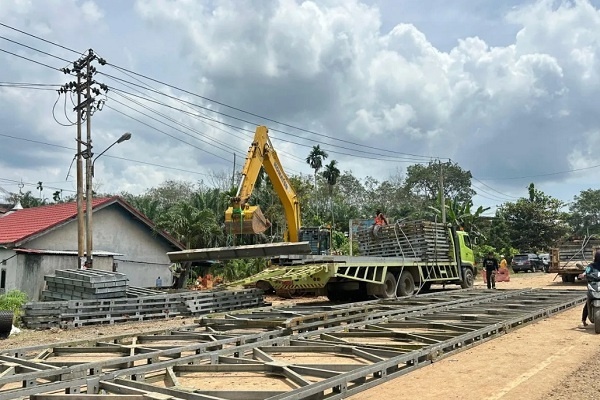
539	361
546	360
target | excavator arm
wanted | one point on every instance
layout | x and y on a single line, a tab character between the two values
243	218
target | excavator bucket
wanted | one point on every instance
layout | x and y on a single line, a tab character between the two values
251	220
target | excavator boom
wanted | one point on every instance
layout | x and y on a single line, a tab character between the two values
241	217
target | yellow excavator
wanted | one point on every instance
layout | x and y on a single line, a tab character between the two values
242	218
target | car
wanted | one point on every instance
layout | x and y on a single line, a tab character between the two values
527	262
545	257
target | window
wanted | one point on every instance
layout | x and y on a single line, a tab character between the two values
468	242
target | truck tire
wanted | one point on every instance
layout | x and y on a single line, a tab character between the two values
468	278
565	278
6	323
597	320
406	284
389	286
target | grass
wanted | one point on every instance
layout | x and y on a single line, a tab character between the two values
13	301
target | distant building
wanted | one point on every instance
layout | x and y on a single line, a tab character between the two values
37	241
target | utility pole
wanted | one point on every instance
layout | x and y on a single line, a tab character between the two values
442	196
233	174
88	166
83	68
80	220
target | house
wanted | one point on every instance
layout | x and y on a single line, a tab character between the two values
37	241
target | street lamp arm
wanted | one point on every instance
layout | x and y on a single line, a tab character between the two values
124	137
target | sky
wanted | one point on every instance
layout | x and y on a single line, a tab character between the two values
508	90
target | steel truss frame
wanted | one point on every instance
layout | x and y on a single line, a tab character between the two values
300	352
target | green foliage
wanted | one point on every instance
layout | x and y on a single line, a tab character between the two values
460	215
13	301
535	223
233	270
585	213
482	250
425	180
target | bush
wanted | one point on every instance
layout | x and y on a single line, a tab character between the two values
13	301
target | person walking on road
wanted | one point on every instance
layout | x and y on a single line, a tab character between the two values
491	267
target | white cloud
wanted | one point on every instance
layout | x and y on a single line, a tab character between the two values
524	108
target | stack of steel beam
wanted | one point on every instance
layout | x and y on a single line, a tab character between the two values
422	240
76	313
80	284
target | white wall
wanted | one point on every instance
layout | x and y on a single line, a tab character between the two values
116	230
10	265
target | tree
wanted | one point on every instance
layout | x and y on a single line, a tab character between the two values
315	160
461	215
331	175
535	223
40	187
585	213
425	180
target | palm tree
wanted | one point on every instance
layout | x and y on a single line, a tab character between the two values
331	174
315	160
40	187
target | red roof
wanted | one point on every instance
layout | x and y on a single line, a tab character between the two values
22	224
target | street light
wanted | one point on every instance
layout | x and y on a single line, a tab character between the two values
124	137
88	208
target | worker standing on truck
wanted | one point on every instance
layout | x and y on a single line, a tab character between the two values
491	267
380	219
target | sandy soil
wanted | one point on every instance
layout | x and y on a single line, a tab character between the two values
550	359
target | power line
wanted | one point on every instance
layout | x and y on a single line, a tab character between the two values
39	38
546	174
30	60
491	188
163	132
34	49
260	116
105	155
405	159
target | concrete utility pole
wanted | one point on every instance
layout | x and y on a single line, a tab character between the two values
442	196
88	167
80	220
83	68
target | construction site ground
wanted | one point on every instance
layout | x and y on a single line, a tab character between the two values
550	359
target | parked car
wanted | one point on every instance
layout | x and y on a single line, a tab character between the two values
545	257
527	262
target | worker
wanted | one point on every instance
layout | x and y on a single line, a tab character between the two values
176	272
503	263
380	219
491	267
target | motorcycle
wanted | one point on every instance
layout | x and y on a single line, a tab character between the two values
593	298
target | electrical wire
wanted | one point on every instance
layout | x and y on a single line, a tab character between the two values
34	49
30	60
106	155
166	133
405	159
39	38
54	115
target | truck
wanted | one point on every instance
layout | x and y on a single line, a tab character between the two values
569	259
395	260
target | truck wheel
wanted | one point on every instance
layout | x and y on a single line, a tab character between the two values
389	286
6	323
468	279
597	320
406	285
565	278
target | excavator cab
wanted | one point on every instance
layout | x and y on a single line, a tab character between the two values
245	219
